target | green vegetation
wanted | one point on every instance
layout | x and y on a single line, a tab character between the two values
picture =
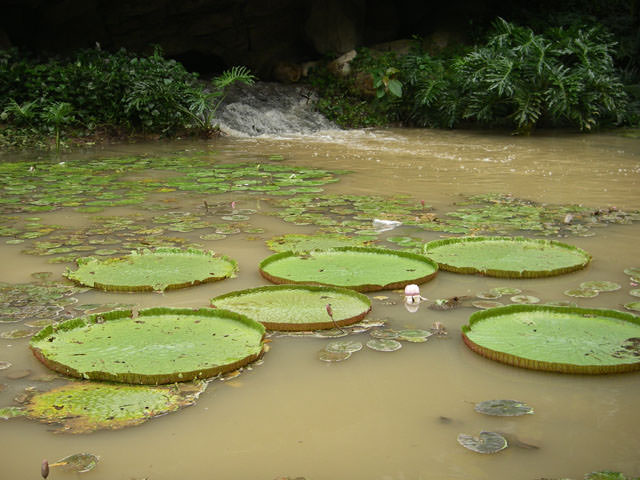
95	91
516	78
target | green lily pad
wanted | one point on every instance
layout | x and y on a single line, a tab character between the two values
416	335
503	408
559	339
486	442
635	292
350	346
601	286
304	243
4	364
486	304
384	333
83	407
632	271
297	307
146	270
361	269
506	290
524	299
78	462
510	257
327	356
488	295
17	333
633	306
384	344
581	292
152	346
605	475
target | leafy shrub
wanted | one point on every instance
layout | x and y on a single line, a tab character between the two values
149	94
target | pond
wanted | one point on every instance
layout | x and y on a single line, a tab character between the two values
379	415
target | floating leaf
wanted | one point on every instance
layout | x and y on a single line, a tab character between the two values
161	269
524	299
362	269
559	339
605	475
17	333
635	292
633	306
486	304
83	407
11	412
581	292
327	356
344	346
512	257
297	307
156	345
488	295
506	290
4	364
384	345
414	335
79	462
601	286
486	442
632	271
386	333
503	408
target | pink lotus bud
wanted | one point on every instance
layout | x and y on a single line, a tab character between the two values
233	205
422	203
411	290
329	310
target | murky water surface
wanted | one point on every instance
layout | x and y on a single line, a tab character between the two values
378	415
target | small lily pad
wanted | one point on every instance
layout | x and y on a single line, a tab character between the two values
386	333
601	286
524	299
11	412
414	335
486	442
488	295
327	356
635	292
344	346
506	290
633	306
78	462
485	304
17	333
503	408
384	345
4	364
581	292
632	271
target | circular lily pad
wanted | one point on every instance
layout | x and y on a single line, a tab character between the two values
152	346
350	346
632	271
327	356
361	269
485	304
304	243
486	442
506	290
633	306
384	345
581	292
297	307
601	286
558	339
83	407
635	292
414	335
146	270
510	257
503	408
524	299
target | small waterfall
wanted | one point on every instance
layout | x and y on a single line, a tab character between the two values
270	109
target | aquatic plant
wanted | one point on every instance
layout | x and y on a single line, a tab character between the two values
150	346
485	442
558	339
503	408
297	307
84	407
153	270
511	257
362	269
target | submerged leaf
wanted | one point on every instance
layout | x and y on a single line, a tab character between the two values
503	408
486	442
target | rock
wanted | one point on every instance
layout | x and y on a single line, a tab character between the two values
334	26
286	72
341	66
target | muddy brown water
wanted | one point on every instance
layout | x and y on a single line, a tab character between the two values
378	415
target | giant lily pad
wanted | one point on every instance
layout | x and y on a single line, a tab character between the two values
558	339
297	307
362	269
83	407
161	269
304	243
512	257
152	346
